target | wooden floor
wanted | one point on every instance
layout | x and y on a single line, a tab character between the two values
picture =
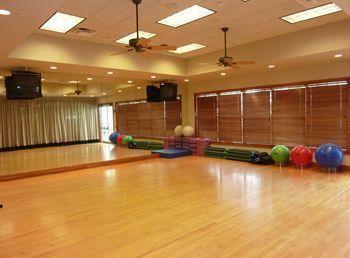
186	207
24	163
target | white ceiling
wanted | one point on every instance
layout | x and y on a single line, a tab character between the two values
250	21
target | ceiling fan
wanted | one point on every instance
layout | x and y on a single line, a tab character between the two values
141	45
77	92
227	61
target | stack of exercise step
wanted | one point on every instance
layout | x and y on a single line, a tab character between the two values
186	143
169	142
178	143
239	155
215	152
202	144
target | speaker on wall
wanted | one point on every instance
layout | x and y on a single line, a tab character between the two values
168	92
153	94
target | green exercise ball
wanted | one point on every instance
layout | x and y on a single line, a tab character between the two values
280	154
127	139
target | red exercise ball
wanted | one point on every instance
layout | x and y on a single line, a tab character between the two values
301	155
120	139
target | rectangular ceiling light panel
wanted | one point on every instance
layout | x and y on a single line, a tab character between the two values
142	34
61	22
312	13
185	16
187	48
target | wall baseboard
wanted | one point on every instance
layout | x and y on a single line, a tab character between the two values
47	145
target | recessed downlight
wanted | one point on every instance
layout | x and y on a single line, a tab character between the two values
222	74
120	91
89	78
153	77
338	55
271	66
53	67
104	93
186	80
130	81
139	88
110	73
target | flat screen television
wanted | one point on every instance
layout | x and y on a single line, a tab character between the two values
23	85
168	92
153	94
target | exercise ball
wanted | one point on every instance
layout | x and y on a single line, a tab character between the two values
329	156
280	154
179	130
127	139
188	131
120	139
301	155
113	137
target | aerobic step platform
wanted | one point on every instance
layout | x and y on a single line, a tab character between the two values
172	153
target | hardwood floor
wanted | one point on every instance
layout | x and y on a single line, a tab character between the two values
48	160
186	207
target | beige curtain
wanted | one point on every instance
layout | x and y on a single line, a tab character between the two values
47	120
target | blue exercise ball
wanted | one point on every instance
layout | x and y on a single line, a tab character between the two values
113	137
329	155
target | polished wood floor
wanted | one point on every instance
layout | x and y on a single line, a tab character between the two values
186	207
52	159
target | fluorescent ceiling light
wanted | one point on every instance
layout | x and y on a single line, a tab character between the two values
89	78
271	66
74	82
53	67
312	13
142	34
61	22
110	73
338	55
187	15
139	88
187	48
222	74
4	12
129	81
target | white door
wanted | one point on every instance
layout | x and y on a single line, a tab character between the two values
106	122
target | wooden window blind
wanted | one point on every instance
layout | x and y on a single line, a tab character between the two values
256	117
157	119
288	116
173	116
229	117
207	117
132	119
139	118
144	117
122	113
327	114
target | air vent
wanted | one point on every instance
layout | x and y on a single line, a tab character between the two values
309	3
83	32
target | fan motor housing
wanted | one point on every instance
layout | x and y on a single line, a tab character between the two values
226	61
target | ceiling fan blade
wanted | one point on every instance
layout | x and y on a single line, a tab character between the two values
203	64
162	47
147	54
122	52
143	42
244	63
71	94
